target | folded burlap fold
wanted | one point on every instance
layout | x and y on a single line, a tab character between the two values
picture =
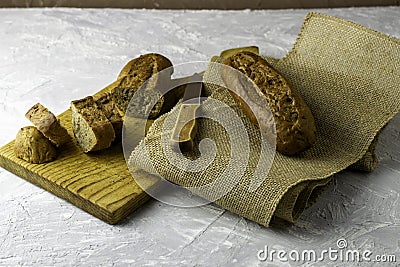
350	78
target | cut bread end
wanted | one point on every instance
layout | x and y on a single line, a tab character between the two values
92	130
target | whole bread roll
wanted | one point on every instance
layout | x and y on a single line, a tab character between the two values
294	122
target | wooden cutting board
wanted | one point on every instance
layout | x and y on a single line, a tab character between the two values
99	183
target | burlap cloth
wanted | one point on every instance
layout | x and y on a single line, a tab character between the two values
350	78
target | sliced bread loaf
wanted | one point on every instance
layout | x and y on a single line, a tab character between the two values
48	124
92	130
295	126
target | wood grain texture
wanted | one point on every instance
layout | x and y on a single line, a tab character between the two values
99	183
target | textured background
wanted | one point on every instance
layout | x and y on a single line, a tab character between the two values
57	55
208	4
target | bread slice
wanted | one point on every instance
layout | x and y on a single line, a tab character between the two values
48	124
107	106
146	68
32	146
295	126
92	130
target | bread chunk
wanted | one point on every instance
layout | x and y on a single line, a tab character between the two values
137	72
92	130
48	124
32	146
107	106
294	122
